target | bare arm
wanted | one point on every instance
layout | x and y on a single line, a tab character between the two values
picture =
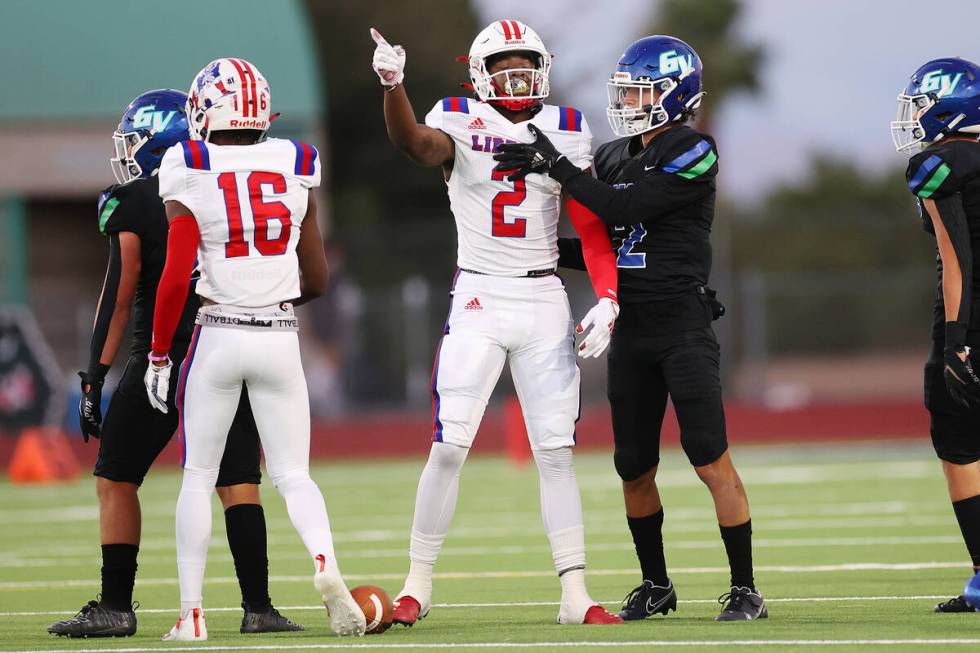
423	144
118	289
953	240
313	272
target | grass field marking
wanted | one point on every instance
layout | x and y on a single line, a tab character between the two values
514	604
521	549
470	575
478	645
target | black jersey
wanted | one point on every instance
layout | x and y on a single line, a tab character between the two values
658	203
136	207
662	242
950	172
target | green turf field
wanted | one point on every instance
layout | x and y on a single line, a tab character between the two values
854	545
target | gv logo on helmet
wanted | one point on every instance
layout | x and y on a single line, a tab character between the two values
938	83
671	62
157	121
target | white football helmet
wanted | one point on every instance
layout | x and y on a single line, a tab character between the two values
517	88
228	94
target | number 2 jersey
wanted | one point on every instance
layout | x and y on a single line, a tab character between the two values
948	171
249	202
505	228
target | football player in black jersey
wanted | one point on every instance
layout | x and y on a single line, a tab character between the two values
940	109
656	192
133	434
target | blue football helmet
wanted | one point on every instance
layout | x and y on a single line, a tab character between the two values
657	81
152	123
942	97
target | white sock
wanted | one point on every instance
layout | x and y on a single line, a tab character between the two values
561	512
193	534
308	513
435	504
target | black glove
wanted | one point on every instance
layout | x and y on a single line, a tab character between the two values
541	156
90	406
961	380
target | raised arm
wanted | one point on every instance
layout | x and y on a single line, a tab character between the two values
423	145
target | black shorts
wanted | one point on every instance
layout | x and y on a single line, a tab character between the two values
955	430
134	433
643	371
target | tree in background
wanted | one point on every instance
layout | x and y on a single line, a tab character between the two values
731	66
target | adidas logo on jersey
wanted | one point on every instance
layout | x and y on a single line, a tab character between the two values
478	124
473	305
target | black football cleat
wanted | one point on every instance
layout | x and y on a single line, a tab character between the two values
742	604
266	621
649	599
955	604
96	620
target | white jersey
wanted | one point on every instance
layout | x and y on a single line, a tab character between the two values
249	202
505	228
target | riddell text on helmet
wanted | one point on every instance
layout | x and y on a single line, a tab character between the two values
249	124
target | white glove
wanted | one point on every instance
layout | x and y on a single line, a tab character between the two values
601	318
389	61
157	382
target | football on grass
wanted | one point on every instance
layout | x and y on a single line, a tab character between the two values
376	605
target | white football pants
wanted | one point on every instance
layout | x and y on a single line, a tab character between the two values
525	321
219	360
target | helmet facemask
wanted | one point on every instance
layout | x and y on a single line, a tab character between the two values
125	168
907	130
515	89
646	110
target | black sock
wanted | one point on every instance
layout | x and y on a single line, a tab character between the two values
118	575
738	544
245	524
968	515
648	538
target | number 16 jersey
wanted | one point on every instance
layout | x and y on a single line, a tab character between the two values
505	228
249	202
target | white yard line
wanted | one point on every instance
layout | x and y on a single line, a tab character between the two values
520	604
470	575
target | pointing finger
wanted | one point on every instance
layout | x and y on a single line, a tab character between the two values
376	35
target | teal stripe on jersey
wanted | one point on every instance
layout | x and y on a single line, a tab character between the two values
701	167
935	181
107	210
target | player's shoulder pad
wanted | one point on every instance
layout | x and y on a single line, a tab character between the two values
930	172
305	158
195	154
121	206
570	119
688	153
454	105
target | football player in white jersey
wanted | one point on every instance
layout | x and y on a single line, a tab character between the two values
507	303
243	205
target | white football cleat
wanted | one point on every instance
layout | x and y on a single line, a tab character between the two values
190	627
346	617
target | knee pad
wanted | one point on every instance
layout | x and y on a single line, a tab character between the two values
198	480
284	481
447	457
702	423
632	462
555	463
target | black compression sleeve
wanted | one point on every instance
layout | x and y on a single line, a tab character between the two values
570	254
107	306
953	216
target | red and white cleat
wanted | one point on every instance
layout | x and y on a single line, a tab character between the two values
190	627
408	611
346	617
599	616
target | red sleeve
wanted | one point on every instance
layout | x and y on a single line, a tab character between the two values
600	259
182	243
